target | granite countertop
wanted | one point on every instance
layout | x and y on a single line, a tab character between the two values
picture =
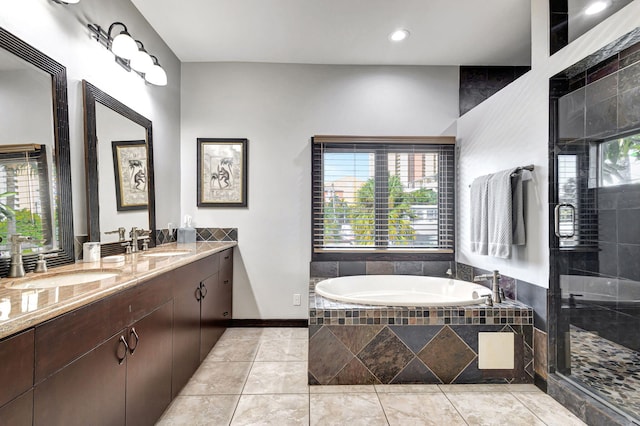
24	308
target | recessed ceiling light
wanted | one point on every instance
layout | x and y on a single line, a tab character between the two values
596	7
398	35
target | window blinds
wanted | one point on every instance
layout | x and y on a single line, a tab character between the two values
388	194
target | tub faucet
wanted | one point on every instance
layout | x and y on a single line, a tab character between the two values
17	268
496	295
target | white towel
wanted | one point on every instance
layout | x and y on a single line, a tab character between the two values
479	231
499	214
517	210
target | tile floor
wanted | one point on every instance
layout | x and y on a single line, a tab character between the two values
258	376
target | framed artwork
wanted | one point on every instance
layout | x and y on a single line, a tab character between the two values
222	172
130	168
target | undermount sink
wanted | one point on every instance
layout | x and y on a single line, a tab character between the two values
166	253
63	279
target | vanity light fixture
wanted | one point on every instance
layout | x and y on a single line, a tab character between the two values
130	53
399	35
596	7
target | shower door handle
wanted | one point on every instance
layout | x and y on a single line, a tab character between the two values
561	211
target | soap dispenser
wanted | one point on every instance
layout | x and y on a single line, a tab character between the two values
186	234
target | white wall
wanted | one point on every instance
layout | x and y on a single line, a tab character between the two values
61	33
279	108
512	129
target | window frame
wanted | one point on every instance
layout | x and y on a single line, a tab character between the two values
382	253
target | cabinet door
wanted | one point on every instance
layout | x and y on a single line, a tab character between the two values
16	365
18	412
89	391
211	327
149	366
186	329
225	289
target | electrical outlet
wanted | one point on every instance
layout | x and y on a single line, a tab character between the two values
296	299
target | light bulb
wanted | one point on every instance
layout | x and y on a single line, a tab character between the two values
156	76
141	61
124	46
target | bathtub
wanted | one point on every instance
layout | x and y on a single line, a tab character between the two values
402	290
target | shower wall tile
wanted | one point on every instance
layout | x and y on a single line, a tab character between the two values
571	114
629	109
628	226
602	119
608	225
629	197
603	89
629	261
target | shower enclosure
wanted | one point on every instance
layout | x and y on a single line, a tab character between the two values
595	235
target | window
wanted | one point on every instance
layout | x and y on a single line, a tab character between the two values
619	161
382	195
24	195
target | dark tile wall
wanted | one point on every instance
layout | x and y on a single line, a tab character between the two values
331	269
479	83
602	101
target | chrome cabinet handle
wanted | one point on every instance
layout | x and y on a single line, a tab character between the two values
133	333
198	294
226	314
123	341
203	287
226	282
557	212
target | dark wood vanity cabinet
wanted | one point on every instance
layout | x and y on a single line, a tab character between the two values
123	380
202	310
215	304
16	377
119	360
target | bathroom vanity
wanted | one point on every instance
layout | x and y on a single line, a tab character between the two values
115	351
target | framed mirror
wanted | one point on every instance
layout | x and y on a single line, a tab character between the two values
35	171
119	168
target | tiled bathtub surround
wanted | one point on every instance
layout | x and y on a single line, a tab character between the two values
360	344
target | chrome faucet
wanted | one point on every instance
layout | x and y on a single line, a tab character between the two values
496	294
17	268
135	234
